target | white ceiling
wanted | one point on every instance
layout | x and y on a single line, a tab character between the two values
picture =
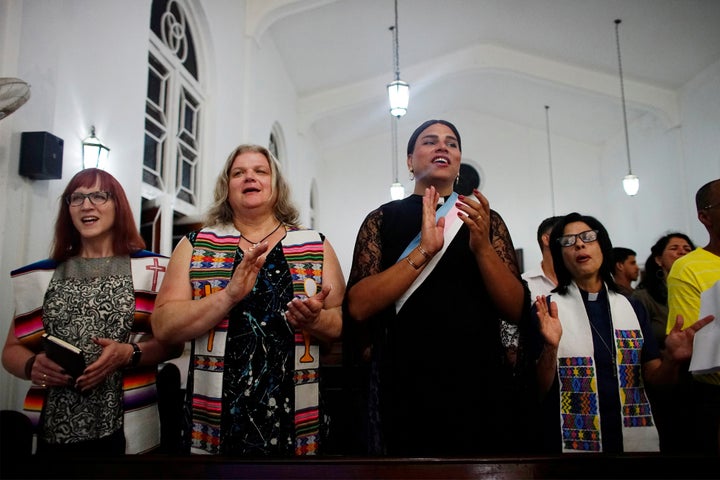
504	59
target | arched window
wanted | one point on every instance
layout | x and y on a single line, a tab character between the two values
469	178
173	122
276	144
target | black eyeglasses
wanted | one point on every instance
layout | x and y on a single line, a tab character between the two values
569	240
96	198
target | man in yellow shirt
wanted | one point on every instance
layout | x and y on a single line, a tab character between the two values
690	276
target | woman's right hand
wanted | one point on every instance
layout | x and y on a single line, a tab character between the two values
47	373
432	232
245	275
550	326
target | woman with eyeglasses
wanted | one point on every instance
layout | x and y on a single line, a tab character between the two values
596	350
95	292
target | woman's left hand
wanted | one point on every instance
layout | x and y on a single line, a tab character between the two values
304	313
679	342
114	356
477	218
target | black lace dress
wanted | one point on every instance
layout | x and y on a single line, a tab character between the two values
438	382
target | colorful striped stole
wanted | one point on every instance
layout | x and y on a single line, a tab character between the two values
141	419
304	253
211	268
579	398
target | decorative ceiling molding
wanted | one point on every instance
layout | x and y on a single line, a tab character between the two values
494	58
261	14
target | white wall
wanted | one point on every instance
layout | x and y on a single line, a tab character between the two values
671	161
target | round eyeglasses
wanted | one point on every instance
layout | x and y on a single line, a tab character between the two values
96	198
569	240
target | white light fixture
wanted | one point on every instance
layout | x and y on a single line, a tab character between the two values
397	191
95	154
631	183
398	91
399	95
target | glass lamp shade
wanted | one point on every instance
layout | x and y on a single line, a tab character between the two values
95	154
631	184
397	191
399	95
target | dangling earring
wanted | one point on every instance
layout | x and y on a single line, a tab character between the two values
457	179
412	175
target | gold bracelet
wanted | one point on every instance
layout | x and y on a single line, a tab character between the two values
422	250
409	260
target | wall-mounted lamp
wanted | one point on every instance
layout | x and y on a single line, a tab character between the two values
398	91
95	153
631	183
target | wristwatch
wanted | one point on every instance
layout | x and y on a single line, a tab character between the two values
136	355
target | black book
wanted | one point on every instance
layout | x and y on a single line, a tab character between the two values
65	354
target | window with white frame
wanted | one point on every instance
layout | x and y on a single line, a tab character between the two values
173	114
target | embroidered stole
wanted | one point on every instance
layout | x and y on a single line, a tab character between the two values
210	270
579	399
452	226
141	419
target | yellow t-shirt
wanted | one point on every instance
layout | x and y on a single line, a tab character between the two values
689	277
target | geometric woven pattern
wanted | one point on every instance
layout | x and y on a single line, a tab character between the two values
635	404
579	412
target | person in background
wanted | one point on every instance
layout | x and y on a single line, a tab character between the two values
596	350
626	269
692	277
432	275
542	280
255	292
96	292
652	292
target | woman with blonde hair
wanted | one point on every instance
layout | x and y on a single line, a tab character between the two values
255	293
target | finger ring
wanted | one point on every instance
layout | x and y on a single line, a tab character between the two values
44	376
43	385
478	217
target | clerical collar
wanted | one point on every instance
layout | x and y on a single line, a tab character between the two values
441	201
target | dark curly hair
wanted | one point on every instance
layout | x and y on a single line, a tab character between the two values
654	278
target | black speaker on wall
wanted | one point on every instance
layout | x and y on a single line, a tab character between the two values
41	155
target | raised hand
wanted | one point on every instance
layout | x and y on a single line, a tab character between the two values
476	215
431	238
245	275
550	326
679	342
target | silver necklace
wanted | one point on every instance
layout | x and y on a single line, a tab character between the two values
255	244
607	347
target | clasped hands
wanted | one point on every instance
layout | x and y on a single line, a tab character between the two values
473	212
300	313
114	356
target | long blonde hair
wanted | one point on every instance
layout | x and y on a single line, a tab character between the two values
221	213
